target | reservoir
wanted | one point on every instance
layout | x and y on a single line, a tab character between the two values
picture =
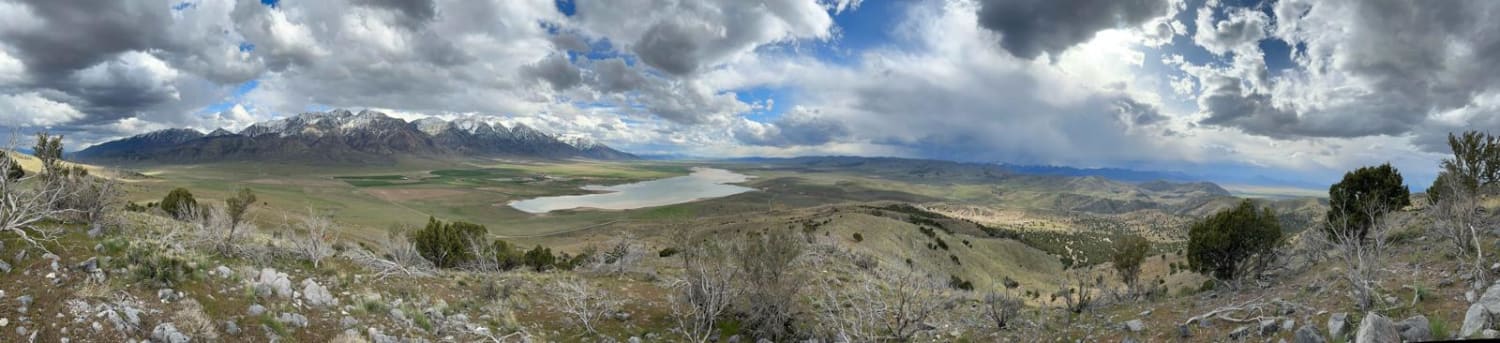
703	183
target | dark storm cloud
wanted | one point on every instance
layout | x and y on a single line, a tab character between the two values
1385	68
81	33
570	42
557	71
1029	28
798	127
670	47
414	13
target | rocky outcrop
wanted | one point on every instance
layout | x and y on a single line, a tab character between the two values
1376	329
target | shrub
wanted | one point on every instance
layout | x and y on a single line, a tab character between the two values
506	255
1362	196
1475	161
540	258
179	202
1129	252
956	282
1234	242
667	252
858	237
447	245
11	168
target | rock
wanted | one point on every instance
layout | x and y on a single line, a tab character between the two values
348	322
1337	323
231	328
4	267
1489	333
1269	327
377	337
398	315
293	319
316	295
25	300
272	282
90	265
1376	329
763	340
634	339
734	339
1474	320
256	309
1307	334
167	333
168	295
223	272
1184	332
1415	329
1135	325
4	322
1470	296
1240	332
1491	299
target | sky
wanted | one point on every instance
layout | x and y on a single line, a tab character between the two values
1295	90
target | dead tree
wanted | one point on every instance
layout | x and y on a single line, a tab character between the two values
1361	257
27	201
707	288
1457	218
585	303
317	242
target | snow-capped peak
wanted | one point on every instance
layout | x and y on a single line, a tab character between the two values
577	141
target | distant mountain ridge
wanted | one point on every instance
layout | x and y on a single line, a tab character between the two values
342	136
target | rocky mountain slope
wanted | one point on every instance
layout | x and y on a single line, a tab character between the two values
341	136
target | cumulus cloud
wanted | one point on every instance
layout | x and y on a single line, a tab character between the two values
683	37
1029	28
799	126
1361	68
31	109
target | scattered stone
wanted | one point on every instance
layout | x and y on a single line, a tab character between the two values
1377	329
1474	320
293	319
231	328
25	300
1489	333
1470	296
316	295
90	265
634	339
1307	334
96	326
348	322
1239	332
1491	299
1337	323
4	267
223	272
272	282
168	295
377	337
4	322
1268	327
1135	325
398	315
256	309
96	230
1415	329
167	333
1184	332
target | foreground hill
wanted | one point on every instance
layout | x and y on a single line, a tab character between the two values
344	137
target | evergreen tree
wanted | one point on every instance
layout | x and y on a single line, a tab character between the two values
1363	195
1228	244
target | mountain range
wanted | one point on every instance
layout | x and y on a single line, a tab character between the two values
345	137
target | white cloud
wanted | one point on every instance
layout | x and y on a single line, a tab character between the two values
31	109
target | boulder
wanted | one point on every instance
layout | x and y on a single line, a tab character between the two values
1415	329
1491	299
1184	331
1307	334
1337	323
167	333
316	295
4	267
293	319
256	309
1268	327
1376	329
1474	320
271	282
1135	325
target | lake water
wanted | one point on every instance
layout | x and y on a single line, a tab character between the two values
703	183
